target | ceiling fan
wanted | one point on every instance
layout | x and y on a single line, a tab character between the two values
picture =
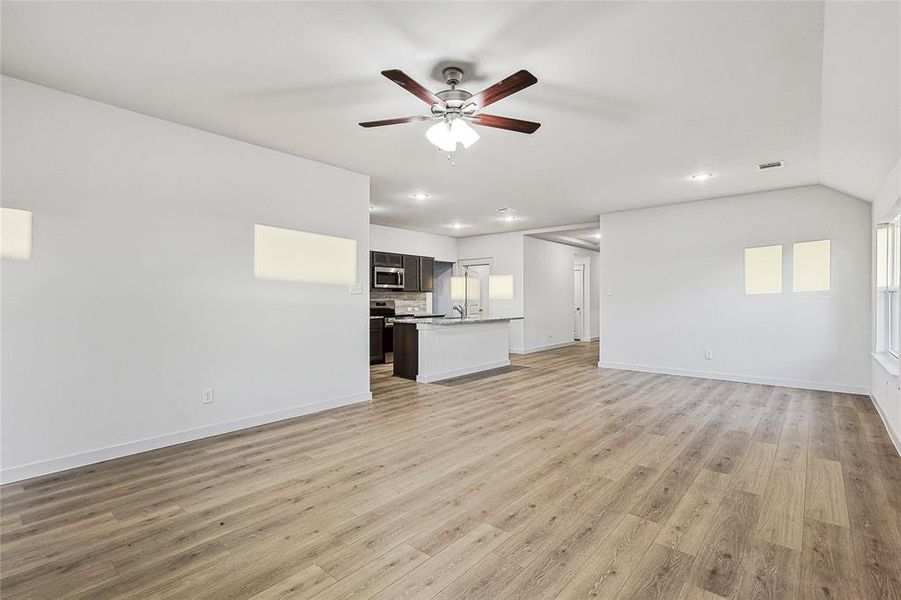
454	109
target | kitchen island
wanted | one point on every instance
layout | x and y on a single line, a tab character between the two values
428	350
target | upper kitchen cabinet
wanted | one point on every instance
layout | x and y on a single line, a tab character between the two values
418	271
426	274
387	259
411	273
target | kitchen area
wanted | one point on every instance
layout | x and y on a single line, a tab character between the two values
415	326
401	286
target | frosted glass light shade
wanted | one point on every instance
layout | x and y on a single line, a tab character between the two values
440	135
811	266
463	133
15	233
763	270
458	288
291	255
500	287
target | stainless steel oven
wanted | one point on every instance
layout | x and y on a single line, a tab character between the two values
388	278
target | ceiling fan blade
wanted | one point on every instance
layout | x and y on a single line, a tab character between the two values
505	123
393	121
406	82
503	88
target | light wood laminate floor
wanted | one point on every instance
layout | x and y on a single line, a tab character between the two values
555	480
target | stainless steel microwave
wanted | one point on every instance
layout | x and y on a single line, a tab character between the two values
390	278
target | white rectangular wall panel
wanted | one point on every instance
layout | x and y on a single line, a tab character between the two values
291	255
811	266
763	270
15	233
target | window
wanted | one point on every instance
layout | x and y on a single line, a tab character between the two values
15	233
811	265
763	270
500	287
888	258
291	255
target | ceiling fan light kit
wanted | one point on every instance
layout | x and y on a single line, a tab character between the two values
456	110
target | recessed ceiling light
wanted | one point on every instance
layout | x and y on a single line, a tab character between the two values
419	195
457	225
597	236
507	214
701	176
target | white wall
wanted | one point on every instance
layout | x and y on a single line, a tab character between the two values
506	253
549	292
403	241
140	289
676	273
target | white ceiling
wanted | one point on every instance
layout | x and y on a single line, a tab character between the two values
633	97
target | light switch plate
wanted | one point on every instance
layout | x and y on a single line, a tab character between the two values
355	289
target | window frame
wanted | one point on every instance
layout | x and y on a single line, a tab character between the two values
781	289
888	294
794	265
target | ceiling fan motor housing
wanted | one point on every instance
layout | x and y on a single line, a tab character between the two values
453	98
452	75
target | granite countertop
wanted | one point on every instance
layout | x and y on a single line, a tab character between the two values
450	321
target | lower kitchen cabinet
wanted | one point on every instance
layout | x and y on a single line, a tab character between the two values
376	341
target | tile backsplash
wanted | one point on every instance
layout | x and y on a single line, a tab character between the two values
404	302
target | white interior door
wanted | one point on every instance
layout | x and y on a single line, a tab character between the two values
476	290
578	299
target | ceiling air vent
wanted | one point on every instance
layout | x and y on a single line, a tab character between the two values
771	165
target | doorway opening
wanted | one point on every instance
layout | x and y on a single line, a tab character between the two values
580	326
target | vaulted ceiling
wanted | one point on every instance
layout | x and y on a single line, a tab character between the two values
633	97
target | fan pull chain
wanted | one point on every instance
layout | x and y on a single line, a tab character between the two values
451	156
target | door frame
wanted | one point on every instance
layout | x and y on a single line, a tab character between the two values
460	270
585	262
579	268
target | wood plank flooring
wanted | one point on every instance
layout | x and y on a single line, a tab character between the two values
551	480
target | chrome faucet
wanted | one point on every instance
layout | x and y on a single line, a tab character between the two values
461	310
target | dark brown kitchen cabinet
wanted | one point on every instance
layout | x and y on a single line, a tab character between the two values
386	259
411	273
376	340
426	274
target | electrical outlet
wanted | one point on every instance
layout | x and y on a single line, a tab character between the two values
708	354
609	291
355	289
207	397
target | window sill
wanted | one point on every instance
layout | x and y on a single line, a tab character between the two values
888	361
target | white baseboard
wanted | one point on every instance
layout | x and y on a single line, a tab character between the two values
891	433
792	383
54	465
460	372
547	347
